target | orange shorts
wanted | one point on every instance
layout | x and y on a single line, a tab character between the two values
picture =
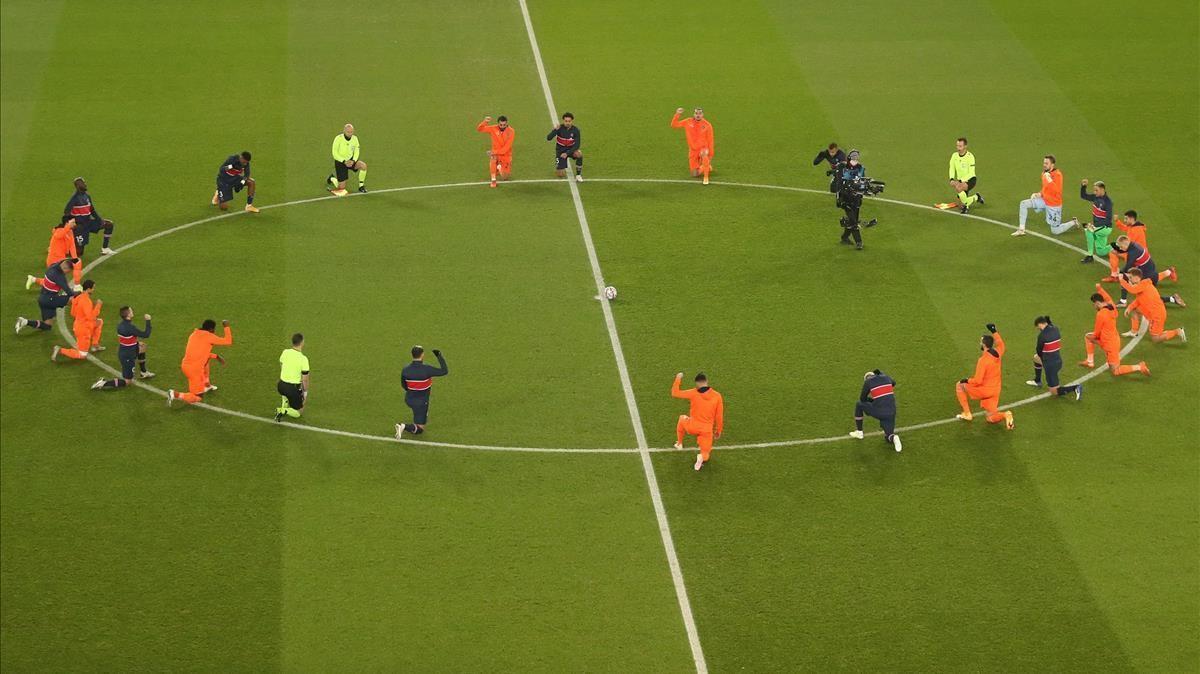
694	159
1112	353
87	334
702	431
1157	324
197	376
505	162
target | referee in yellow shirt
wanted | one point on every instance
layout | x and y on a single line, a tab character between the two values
962	175
345	160
293	379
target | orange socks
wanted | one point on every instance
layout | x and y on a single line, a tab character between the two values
72	353
1168	335
190	398
994	417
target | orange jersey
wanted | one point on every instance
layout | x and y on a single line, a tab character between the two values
83	310
707	406
987	368
502	139
699	133
1148	301
1136	232
62	244
200	345
1052	186
1105	329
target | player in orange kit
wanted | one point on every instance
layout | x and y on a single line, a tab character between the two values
196	360
705	418
62	246
500	156
1105	334
699	133
88	325
1149	305
984	385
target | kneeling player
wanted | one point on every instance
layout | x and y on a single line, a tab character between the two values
699	135
293	379
984	385
196	358
233	175
131	352
500	156
1104	333
878	399
705	418
1149	305
1047	359
88	325
62	245
56	293
567	141
417	380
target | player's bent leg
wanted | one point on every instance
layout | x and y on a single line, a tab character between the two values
960	390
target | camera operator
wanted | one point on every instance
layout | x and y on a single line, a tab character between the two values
847	183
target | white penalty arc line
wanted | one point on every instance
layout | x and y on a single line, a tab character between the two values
555	450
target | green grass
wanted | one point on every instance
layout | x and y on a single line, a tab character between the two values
133	537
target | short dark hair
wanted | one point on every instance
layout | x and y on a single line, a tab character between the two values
567	114
833	146
418	351
246	155
1097	297
297	338
88	284
963	139
125	310
989	341
208	324
1051	158
700	376
1131	214
501	118
1042	320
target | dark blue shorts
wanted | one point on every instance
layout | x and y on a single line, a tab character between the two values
560	162
49	304
128	358
420	409
225	191
1050	368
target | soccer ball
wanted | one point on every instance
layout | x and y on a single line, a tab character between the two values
610	292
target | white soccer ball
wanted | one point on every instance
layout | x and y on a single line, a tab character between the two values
610	292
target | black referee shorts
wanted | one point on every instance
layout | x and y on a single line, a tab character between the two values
293	393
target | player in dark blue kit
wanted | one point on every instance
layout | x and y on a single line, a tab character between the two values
87	220
878	400
132	351
417	380
1047	359
567	141
56	293
233	175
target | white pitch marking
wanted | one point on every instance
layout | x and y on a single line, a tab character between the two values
554	450
660	511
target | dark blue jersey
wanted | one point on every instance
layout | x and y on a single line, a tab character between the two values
565	140
233	171
1102	208
81	208
880	390
417	376
833	159
1049	343
55	282
128	334
1138	256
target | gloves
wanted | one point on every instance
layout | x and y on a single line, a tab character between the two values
437	352
991	328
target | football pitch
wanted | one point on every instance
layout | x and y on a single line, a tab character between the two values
544	522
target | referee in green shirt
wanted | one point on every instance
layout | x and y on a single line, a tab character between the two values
293	379
962	175
345	160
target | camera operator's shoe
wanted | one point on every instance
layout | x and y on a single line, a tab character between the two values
858	246
871	223
844	242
